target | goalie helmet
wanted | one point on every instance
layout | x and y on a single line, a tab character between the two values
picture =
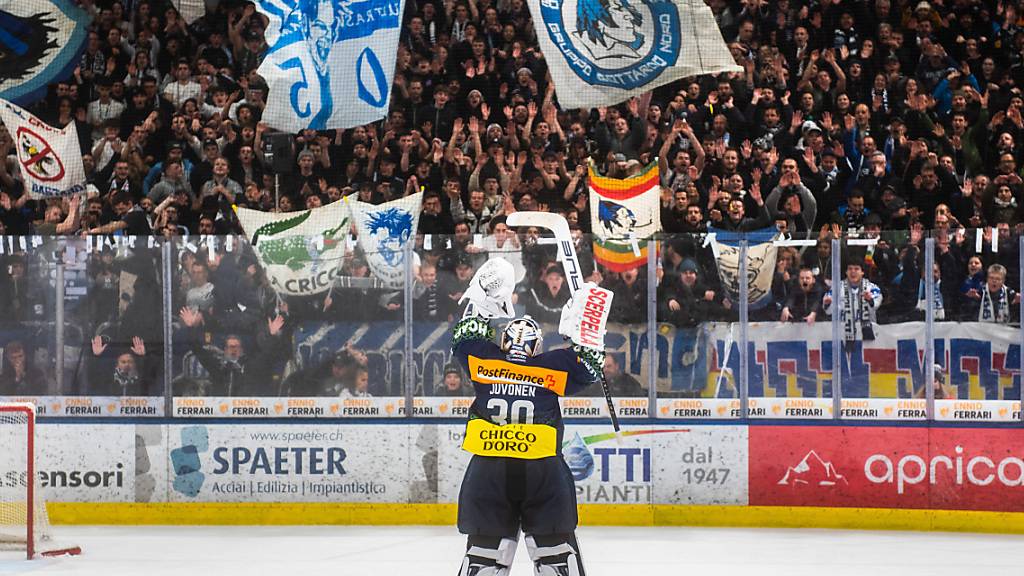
522	338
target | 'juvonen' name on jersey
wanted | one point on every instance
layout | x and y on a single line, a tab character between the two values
510	392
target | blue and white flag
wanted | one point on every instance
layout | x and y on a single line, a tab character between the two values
40	44
384	230
603	52
330	62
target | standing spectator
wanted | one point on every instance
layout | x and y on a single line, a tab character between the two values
545	300
997	302
860	299
804	303
183	87
687	302
103	109
791	201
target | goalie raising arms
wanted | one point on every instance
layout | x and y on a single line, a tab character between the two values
517	479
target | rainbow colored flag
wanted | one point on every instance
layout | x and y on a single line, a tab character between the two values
624	213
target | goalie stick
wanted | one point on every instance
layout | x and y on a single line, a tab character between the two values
570	263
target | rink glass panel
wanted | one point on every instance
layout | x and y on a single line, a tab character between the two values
697	332
302	341
877	350
114	315
28	319
329	342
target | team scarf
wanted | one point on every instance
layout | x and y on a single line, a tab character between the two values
856	315
938	305
999	313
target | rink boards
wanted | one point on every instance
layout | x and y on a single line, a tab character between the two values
870	476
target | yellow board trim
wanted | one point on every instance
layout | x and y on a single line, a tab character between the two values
335	513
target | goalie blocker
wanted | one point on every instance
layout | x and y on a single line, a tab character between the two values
585	318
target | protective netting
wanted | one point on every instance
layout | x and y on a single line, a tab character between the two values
17	428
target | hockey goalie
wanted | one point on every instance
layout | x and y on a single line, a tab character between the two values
517	480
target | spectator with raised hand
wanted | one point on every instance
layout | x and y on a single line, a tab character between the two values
621	134
675	160
233	370
736	219
129	377
791	201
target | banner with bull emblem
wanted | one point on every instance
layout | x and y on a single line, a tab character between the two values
300	251
603	52
761	254
384	230
49	158
623	214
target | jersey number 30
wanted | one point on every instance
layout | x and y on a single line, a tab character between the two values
520	412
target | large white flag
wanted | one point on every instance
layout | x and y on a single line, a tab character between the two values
602	52
50	158
384	230
300	251
330	62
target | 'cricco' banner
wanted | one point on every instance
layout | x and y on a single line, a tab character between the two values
301	251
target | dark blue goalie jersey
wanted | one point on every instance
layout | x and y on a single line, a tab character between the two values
527	392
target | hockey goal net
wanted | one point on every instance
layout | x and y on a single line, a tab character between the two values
24	523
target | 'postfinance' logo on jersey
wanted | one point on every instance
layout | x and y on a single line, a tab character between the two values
501	372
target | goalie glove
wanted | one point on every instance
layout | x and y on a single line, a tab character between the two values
473	328
490	291
592	360
585	317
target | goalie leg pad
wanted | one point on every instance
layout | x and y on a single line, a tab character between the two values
488	556
555	555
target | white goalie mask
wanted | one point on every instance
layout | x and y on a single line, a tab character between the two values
522	338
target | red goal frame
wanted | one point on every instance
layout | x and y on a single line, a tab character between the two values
29	411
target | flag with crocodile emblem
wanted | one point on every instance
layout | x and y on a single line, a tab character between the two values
623	212
329	63
40	43
300	251
602	52
384	230
49	158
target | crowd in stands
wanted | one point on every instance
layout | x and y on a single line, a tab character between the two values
891	120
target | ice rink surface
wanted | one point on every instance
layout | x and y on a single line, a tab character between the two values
436	551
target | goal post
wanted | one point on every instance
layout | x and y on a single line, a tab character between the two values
24	522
